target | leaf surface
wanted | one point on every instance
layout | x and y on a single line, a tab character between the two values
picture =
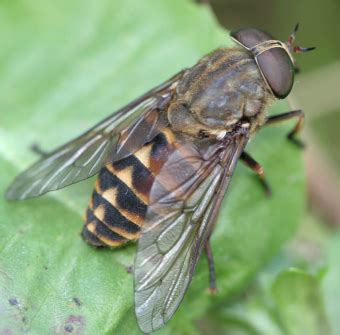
64	66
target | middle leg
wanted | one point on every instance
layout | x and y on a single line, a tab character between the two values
258	169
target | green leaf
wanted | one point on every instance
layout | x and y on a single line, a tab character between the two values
300	304
331	282
64	66
293	306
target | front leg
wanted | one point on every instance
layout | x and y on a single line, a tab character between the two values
286	117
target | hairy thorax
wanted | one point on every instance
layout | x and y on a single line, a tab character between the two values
222	89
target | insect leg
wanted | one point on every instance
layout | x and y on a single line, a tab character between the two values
212	278
286	117
37	150
258	169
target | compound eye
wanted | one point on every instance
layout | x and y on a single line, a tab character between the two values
249	37
275	64
278	70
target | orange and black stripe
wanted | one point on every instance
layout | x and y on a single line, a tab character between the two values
119	202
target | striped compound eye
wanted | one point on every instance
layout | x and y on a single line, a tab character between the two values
274	59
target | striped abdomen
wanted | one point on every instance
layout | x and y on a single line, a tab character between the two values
119	201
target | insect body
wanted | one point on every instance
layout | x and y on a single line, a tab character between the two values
122	190
119	203
165	162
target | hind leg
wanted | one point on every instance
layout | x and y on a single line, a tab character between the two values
211	264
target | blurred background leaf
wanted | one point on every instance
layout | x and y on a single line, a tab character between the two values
287	303
299	303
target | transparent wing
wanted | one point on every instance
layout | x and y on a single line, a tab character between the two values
116	137
184	201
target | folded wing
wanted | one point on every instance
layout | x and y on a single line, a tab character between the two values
116	137
185	199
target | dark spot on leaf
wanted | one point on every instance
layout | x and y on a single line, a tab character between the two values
129	269
14	301
77	301
68	328
74	324
45	267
